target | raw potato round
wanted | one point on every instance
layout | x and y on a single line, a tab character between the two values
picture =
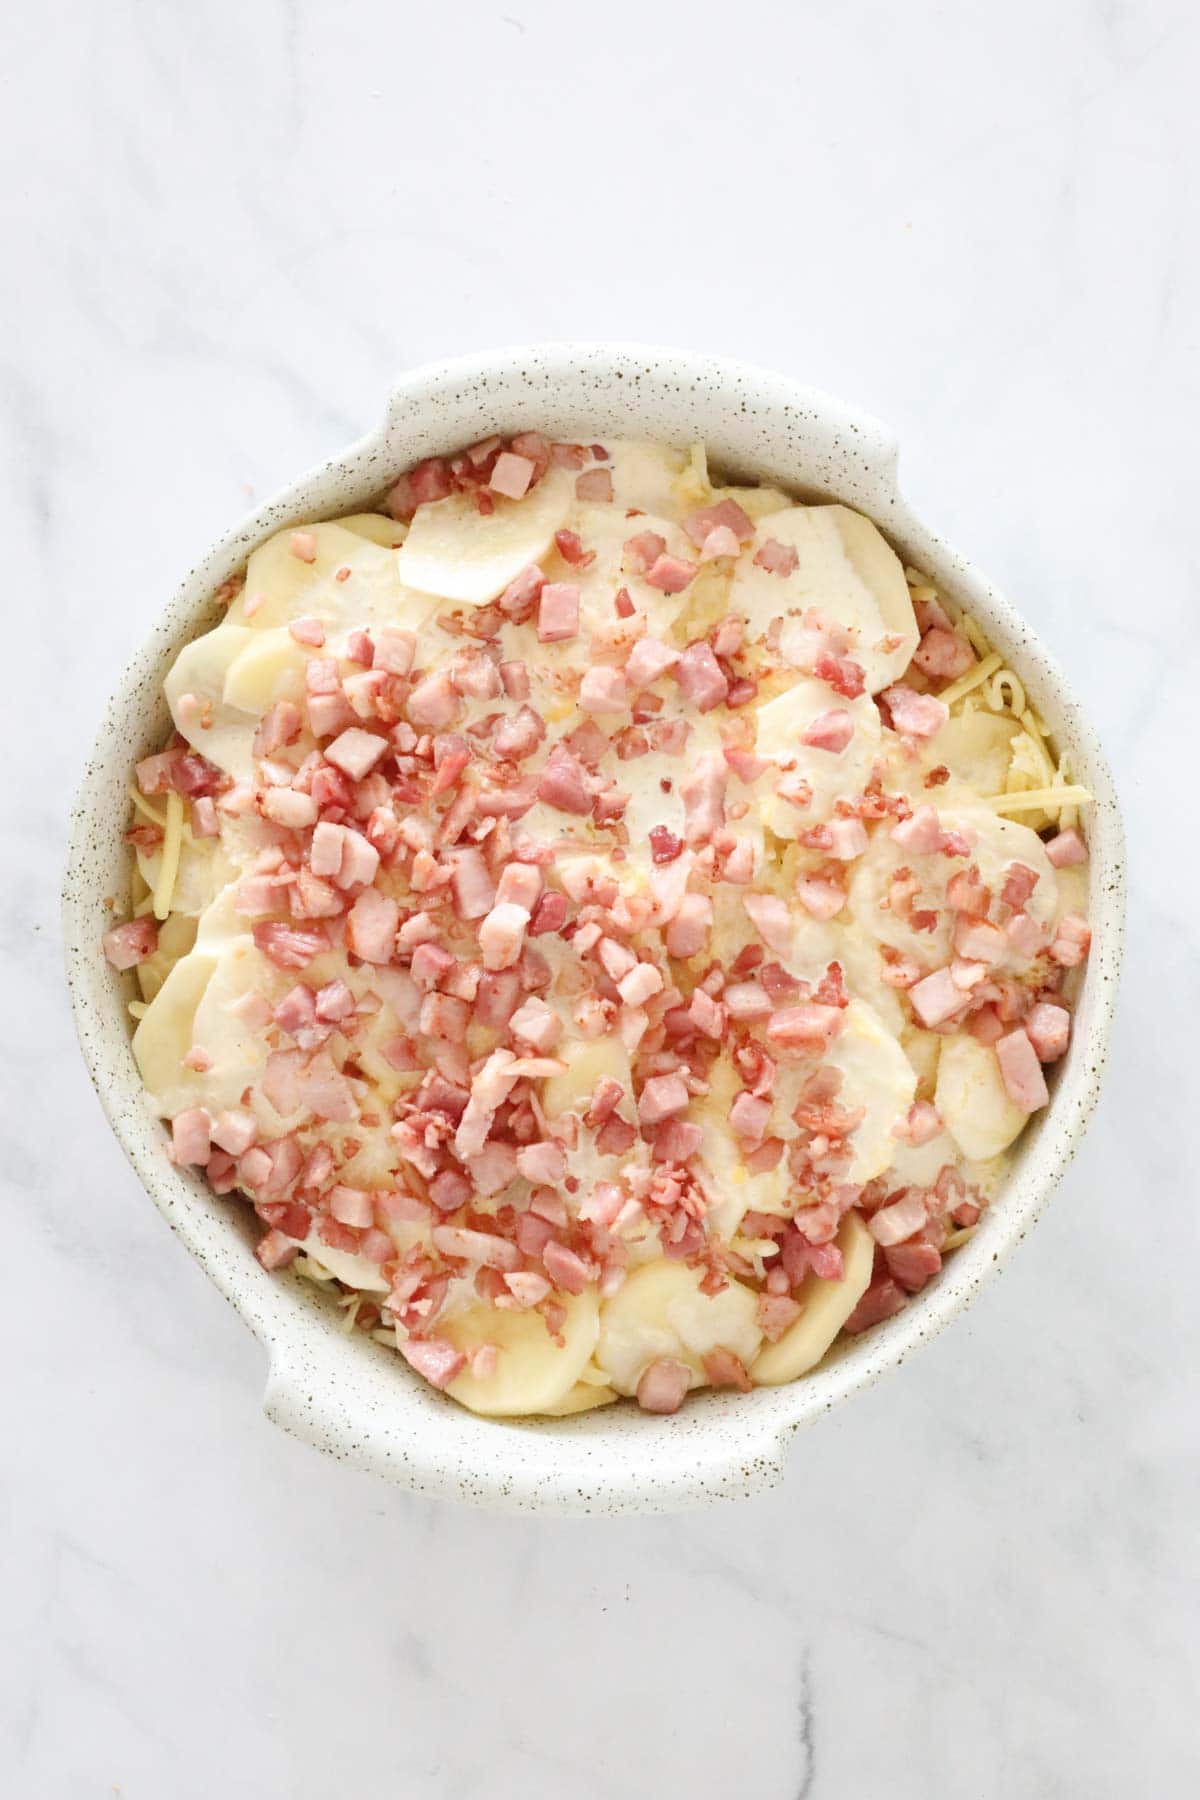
164	1036
532	1373
845	570
284	587
454	551
582	1398
877	1076
781	723
827	1306
970	1096
660	1311
270	668
200	670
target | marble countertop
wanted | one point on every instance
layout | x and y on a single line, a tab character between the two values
226	228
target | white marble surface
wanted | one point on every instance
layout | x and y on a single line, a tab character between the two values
225	227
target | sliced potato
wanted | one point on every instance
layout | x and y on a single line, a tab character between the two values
660	1311
198	674
582	1398
781	724
533	1372
455	552
589	1063
970	1096
877	1076
827	1305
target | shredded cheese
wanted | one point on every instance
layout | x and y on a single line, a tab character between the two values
142	805
971	679
172	846
1039	800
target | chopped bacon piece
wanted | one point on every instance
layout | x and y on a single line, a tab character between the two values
670	574
278	727
703	794
471	885
594	484
776	558
1067	850
772	919
914	715
566	1270
191	1140
724	1369
883	1298
303	545
275	1251
434	704
937	998
287	807
921	834
649	659
912	1265
1019	883
1049	1030
687	933
663	1386
127	945
724	515
903	1218
661	1098
847	839
749	1116
664	845
572	551
511	475
435	1358
1021	1071
775	1313
820	896
979	941
550	914
289	946
1025	935
562	784
603	690
644	550
807	1026
356	752
558	612
943	655
1072	940
502	934
371	926
845	677
832	731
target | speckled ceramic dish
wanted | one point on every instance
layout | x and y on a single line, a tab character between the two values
349	1396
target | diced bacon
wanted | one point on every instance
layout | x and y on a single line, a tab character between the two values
719	542
520	883
519	735
205	823
677	1141
847	839
706	1014
562	784
191	1140
511	475
724	515
234	1131
566	1270
912	1265
775	1313
321	675
286	807
747	1001
449	1190
434	703
308	631
670	574
664	845
1021	1071
772	919
296	1010
278	727
443	1018
484	1247
371	926
536	1024
303	545
845	677
435	1358
979	941
494	1168
571	549
749	1116
661	1098
603	690
745	765
502	934
352	1206
803	1027
356	752
687	933
912	714
543	1164
644	550
328	714
1067	850
1019	883
520	596
127	945
883	1298
648	660
275	1251
703	794
1072	940
776	558
921	834
832	731
594	484
943	655
936	998
471	886
289	946
986	1025
558	612
549	915
526	1286
1048	1028
663	1386
640	984
334	1002
724	1369
394	649
430	964
922	1123
820	896
902	1219
1026	935
967	893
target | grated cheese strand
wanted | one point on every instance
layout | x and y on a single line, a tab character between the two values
972	679
1039	800
172	847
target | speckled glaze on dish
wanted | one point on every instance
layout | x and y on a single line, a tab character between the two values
352	1398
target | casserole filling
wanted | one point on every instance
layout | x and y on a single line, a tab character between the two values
610	924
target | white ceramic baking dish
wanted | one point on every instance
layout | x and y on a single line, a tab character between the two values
352	1398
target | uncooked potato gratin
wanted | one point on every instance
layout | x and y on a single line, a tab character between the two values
610	925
